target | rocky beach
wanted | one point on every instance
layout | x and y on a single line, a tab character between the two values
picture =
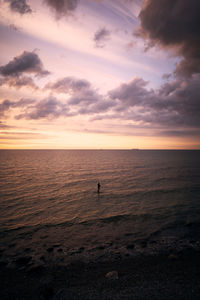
163	268
170	275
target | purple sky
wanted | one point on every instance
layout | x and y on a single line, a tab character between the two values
100	74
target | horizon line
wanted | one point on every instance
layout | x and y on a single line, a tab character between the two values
105	149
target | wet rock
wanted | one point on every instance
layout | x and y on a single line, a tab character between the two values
47	279
62	295
27	250
12	245
3	264
11	265
50	249
37	271
81	249
192	242
153	242
128	234
46	292
188	223
143	244
23	261
117	256
173	256
130	246
112	275
43	258
101	247
44	237
56	245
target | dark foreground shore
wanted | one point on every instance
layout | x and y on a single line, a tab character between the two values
164	276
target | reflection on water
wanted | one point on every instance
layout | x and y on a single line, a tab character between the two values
54	186
49	199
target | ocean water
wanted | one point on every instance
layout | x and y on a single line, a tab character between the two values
149	200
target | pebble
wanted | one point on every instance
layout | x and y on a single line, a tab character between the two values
112	275
173	256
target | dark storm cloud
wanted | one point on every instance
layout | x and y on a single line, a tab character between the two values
101	36
62	7
174	24
27	62
19	6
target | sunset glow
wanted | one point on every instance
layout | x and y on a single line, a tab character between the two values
99	75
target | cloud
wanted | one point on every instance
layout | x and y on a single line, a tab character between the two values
175	104
4	126
62	7
18	82
132	93
27	62
6	105
181	133
83	97
21	135
19	6
68	85
12	74
171	110
174	24
14	27
48	108
130	45
101	36
80	90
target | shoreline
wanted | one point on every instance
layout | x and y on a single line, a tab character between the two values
70	263
172	275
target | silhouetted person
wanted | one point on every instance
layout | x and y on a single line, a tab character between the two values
98	187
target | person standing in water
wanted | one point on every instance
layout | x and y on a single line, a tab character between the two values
98	187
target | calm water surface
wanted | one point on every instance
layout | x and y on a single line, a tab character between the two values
142	192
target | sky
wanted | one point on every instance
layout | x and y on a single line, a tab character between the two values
99	74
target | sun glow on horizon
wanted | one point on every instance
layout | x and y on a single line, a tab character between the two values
93	75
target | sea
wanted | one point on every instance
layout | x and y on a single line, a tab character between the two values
51	212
